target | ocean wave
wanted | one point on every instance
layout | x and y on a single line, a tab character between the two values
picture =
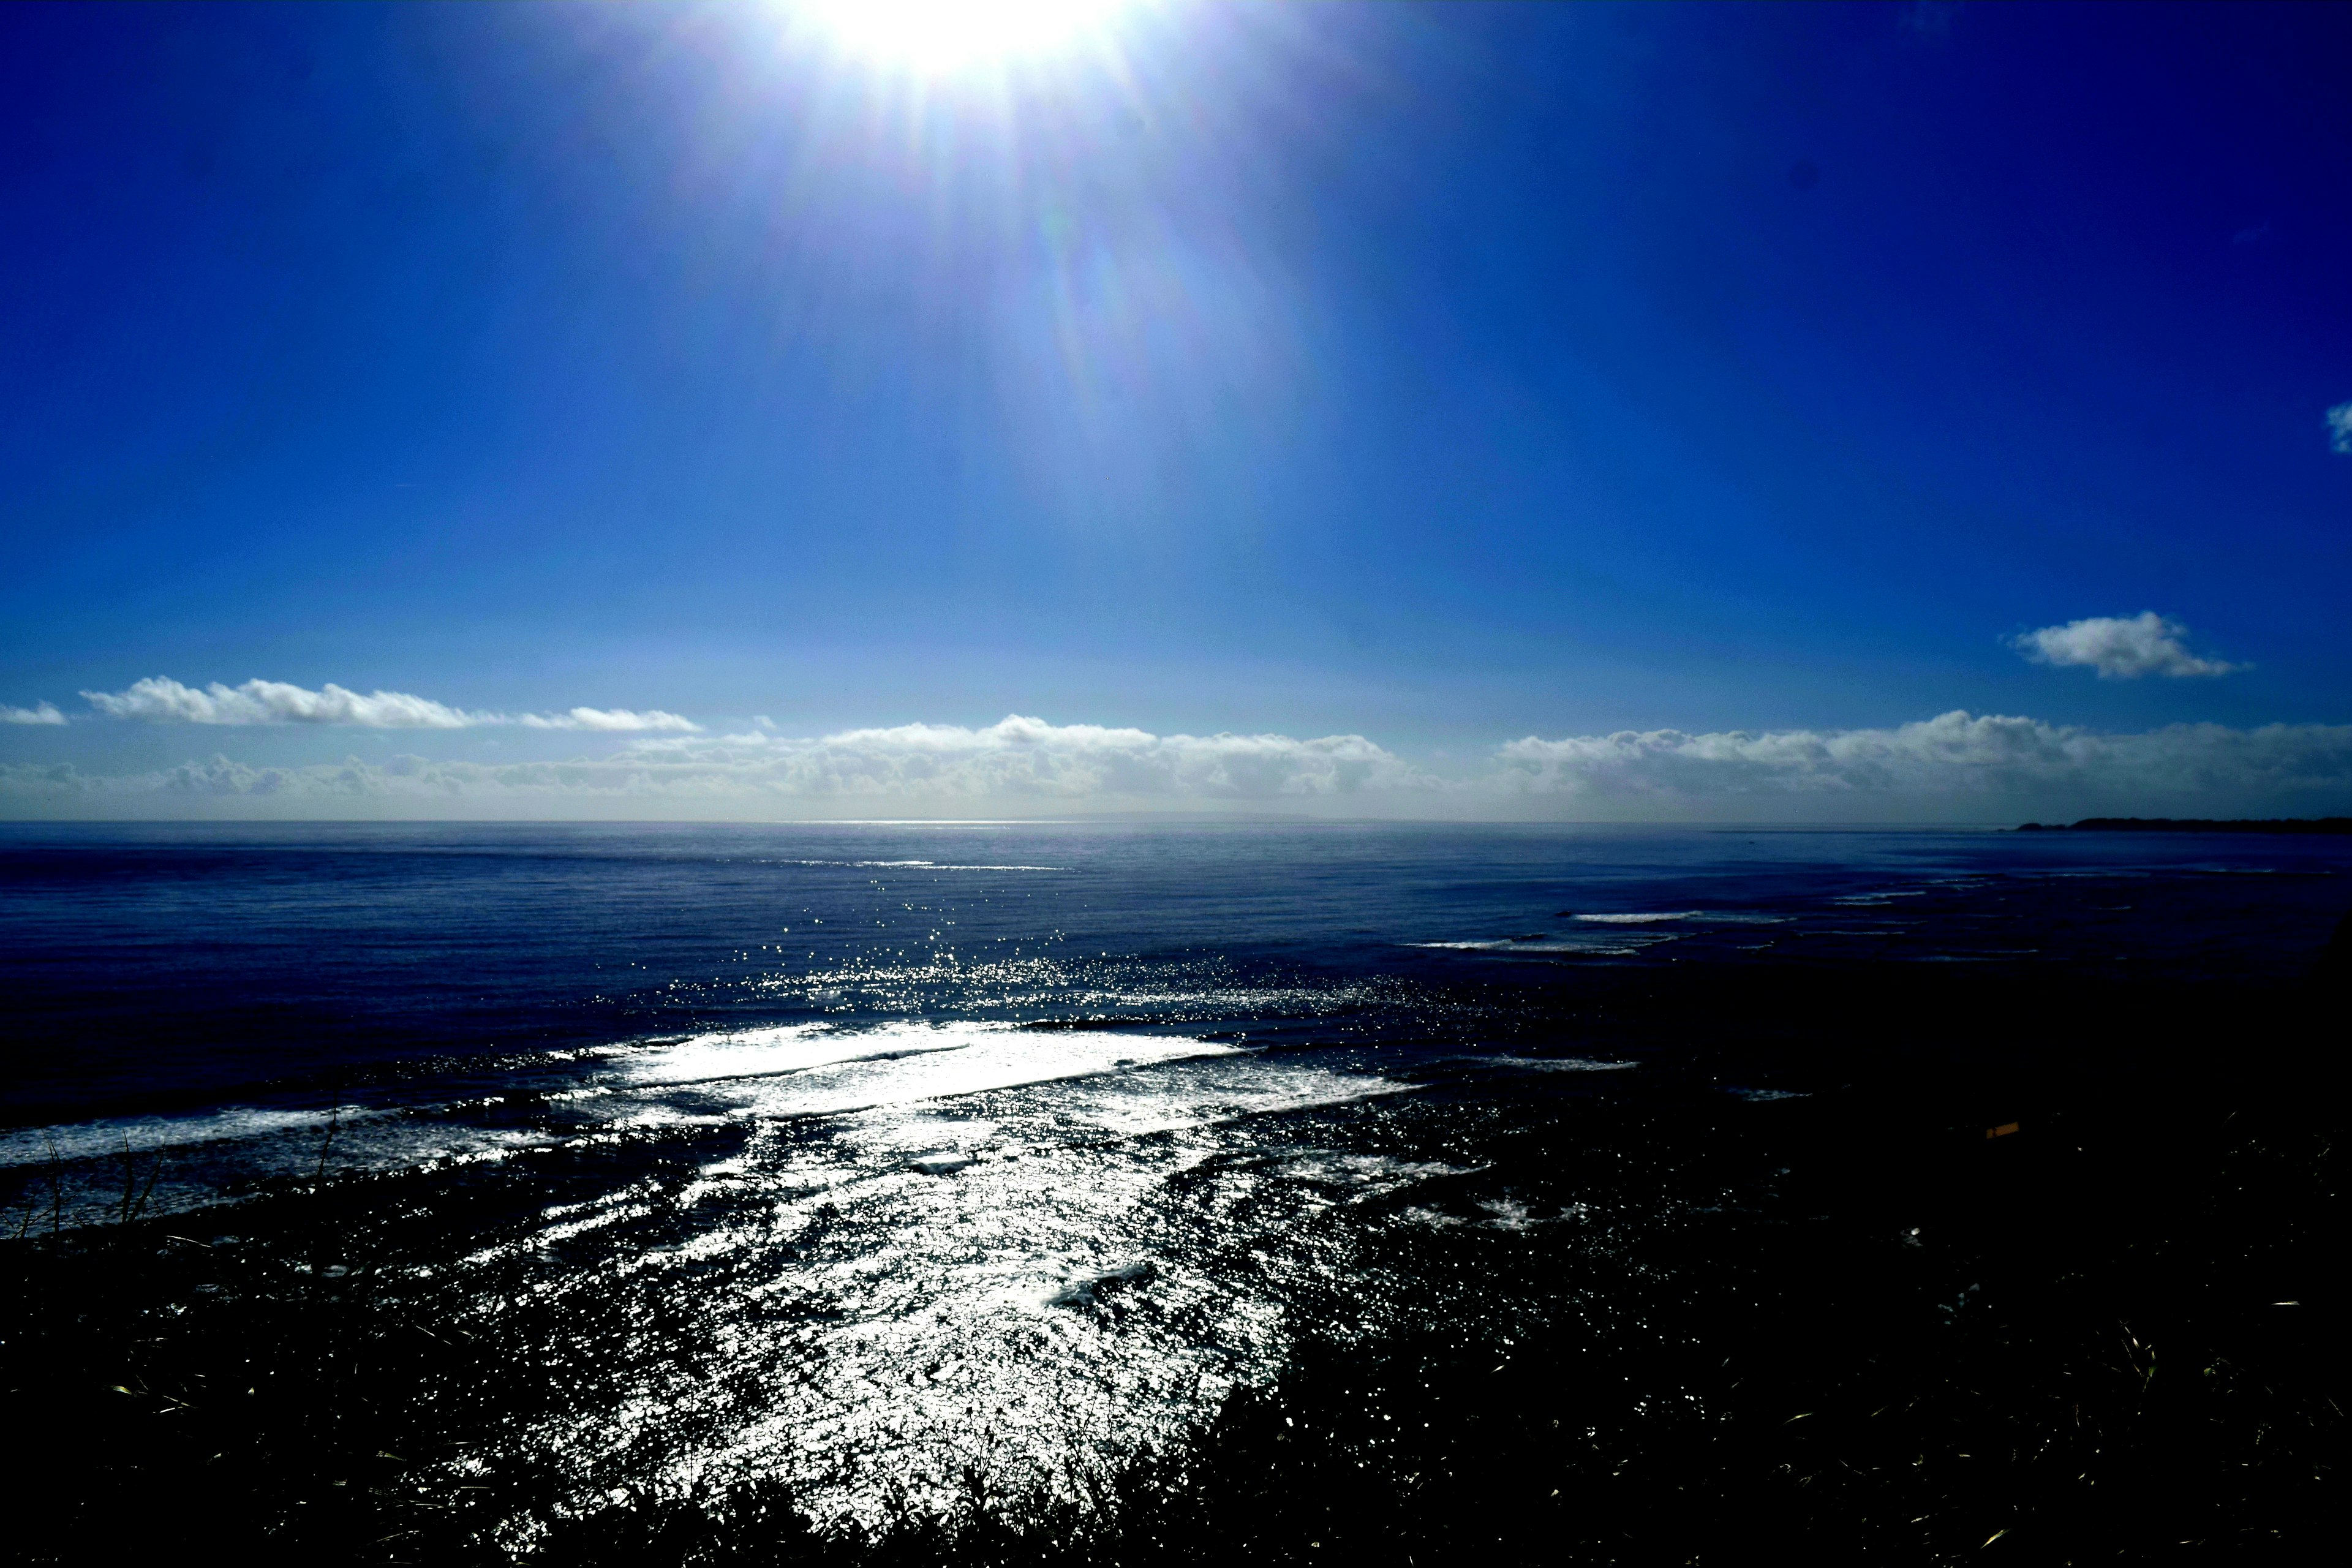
106	1139
905	866
1642	919
722	1057
779	1073
1618	944
970	1059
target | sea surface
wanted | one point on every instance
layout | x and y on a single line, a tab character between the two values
957	1149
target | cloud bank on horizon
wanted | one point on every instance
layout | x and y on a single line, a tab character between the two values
1955	764
1955	754
2120	647
158	700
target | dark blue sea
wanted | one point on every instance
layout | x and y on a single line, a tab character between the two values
1009	1148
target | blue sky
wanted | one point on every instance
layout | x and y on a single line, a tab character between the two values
1450	378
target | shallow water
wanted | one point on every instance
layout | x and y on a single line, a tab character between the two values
957	1149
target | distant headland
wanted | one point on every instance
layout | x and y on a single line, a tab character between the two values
2193	824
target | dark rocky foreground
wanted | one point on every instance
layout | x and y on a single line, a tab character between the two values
1846	1327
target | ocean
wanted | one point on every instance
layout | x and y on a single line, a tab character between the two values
874	1157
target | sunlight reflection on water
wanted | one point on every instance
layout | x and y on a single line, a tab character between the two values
888	1299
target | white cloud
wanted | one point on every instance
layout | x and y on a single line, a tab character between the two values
1953	753
609	719
39	713
2339	429
163	700
2119	647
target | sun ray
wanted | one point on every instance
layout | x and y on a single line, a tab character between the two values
941	38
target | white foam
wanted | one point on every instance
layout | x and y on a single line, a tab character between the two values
910	866
1642	919
787	1048
1616	944
950	1061
1000	867
144	1134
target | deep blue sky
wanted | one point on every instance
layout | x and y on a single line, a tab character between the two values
1445	375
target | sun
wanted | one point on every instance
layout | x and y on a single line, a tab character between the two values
938	37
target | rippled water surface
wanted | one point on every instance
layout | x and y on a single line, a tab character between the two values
876	1156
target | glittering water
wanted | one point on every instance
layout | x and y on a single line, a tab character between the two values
900	1155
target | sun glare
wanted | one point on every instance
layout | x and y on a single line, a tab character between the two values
942	36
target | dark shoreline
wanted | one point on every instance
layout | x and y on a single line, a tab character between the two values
2292	826
1867	1329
